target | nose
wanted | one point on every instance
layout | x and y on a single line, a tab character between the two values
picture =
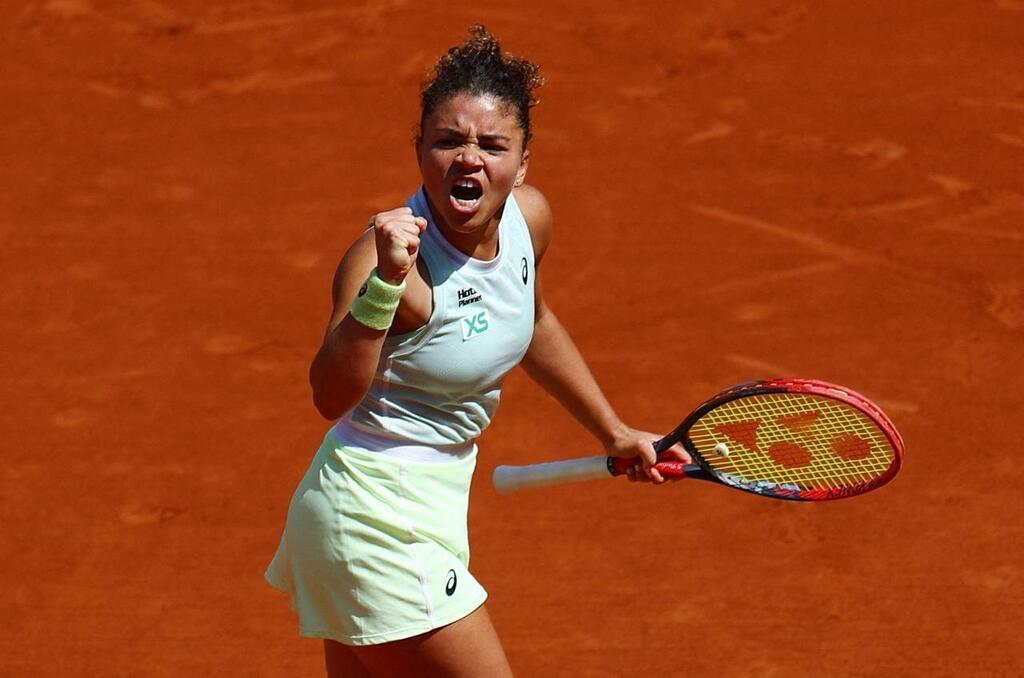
469	155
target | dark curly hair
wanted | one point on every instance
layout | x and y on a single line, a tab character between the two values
478	66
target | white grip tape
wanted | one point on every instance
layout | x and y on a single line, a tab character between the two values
514	478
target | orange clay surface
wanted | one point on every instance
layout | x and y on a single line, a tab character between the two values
824	189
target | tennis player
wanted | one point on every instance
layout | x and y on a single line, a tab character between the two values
433	305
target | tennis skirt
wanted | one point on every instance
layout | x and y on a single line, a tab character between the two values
375	547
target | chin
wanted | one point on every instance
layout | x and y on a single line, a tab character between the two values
459	218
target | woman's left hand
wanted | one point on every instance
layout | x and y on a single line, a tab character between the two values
633	443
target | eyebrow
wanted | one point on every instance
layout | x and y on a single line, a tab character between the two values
493	136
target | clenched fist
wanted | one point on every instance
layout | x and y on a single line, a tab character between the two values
397	236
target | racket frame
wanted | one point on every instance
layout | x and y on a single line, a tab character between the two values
782	385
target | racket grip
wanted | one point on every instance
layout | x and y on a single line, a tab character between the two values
618	466
508	479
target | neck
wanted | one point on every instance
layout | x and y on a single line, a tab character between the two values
480	243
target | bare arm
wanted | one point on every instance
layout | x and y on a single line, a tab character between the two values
343	368
554	362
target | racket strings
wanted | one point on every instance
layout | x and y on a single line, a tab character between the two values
826	469
810	425
835	421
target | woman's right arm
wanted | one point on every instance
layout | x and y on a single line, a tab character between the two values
343	368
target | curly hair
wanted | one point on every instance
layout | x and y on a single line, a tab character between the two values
478	66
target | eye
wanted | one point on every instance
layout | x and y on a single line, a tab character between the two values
447	143
494	149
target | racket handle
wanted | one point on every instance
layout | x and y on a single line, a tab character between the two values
508	479
514	478
617	466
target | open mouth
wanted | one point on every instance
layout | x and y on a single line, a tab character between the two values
467	192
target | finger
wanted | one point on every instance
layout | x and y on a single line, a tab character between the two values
401	238
641	474
421	224
382	217
407	223
395	248
675	453
408	238
674	457
410	227
649	458
396	239
645	450
401	233
395	216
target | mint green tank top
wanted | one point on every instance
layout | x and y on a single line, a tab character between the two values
440	385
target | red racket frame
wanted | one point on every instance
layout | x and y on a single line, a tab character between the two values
702	470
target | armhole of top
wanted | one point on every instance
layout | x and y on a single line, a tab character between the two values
525	232
408	342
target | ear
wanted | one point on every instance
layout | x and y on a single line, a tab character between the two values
523	165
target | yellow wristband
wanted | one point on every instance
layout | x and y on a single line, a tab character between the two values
376	303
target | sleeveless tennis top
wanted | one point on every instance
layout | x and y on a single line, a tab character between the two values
440	385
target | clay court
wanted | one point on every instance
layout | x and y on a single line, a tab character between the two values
741	190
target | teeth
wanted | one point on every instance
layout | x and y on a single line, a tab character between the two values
465	183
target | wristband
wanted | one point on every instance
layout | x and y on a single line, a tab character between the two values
376	303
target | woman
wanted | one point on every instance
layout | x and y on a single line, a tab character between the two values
433	305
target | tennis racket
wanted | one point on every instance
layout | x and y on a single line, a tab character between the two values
793	439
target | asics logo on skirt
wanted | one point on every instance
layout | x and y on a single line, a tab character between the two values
453	581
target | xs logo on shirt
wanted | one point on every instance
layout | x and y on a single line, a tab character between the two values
474	324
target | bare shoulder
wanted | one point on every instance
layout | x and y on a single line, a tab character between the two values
537	212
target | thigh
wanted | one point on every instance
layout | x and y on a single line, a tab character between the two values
467	648
342	662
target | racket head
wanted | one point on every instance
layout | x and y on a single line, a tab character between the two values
797	439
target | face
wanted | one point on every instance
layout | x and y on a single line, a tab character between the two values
471	155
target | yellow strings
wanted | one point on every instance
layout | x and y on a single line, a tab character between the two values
827	470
